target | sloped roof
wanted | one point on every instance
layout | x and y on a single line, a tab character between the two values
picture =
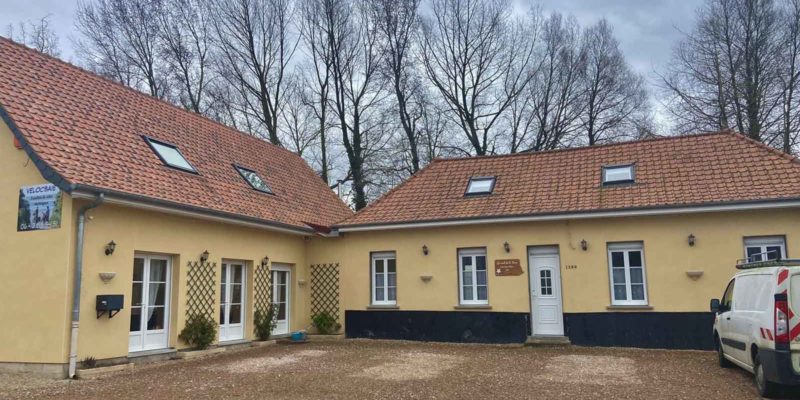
704	169
86	132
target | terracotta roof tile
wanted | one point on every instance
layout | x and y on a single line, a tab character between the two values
709	168
89	130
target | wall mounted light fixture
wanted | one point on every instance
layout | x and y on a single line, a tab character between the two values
110	247
691	239
265	261
425	249
204	256
507	247
584	245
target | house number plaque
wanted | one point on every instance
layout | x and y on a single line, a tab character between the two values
507	267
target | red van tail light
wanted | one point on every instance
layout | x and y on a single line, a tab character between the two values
781	319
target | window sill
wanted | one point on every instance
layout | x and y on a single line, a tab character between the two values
383	307
622	307
473	307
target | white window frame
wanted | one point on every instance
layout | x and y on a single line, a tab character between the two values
614	168
385	257
470	192
763	242
627	248
473	253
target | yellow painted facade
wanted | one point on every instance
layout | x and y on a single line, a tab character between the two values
585	283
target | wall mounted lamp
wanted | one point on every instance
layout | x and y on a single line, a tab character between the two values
425	249
110	247
265	261
507	247
584	245
691	239
204	256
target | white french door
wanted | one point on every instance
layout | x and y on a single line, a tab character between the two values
149	303
231	306
281	293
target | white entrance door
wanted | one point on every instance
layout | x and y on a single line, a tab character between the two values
231	306
149	303
545	278
281	293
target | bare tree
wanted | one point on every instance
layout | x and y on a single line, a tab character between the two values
298	119
37	35
789	73
256	47
186	42
478	61
121	40
397	23
614	93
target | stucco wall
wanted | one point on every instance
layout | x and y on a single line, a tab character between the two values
184	239
34	270
667	255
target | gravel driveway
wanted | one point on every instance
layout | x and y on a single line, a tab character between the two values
380	369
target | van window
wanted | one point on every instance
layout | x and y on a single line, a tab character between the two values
727	298
752	292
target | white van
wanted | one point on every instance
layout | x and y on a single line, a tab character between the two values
755	326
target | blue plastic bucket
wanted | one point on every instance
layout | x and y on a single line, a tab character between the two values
298	336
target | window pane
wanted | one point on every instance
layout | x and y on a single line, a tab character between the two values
222	314
236	314
752	253
481	292
236	294
774	253
254	179
136	319
155	318
467	278
467	292
138	269
635	258
224	275
136	297
636	276
483	185
481	277
392	278
379	266
157	292
379	280
282	312
158	270
379	294
466	262
222	293
392	294
619	275
392	265
171	156
620	292
237	274
616	174
617	259
637	292
481	263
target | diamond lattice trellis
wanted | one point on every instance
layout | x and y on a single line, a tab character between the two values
262	288
201	289
325	289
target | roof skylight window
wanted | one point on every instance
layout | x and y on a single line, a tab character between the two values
254	179
170	155
483	185
618	174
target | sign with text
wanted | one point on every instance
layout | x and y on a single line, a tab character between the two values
507	267
39	208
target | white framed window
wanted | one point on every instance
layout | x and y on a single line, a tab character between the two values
627	273
764	248
170	155
384	278
472	276
618	174
482	185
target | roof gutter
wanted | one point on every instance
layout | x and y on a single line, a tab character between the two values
76	283
631	212
168	207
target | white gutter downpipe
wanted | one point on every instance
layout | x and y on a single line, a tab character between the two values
76	284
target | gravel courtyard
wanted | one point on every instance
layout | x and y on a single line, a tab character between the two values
361	369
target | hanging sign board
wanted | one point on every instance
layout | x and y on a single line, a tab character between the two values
39	208
507	267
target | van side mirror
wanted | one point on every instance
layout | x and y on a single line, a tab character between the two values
715	306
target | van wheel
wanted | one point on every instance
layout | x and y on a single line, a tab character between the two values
765	388
723	362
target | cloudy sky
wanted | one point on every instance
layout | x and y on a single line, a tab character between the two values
647	29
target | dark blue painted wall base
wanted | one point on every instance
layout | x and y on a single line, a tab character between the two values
438	326
658	330
655	330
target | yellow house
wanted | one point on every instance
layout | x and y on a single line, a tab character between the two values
121	216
